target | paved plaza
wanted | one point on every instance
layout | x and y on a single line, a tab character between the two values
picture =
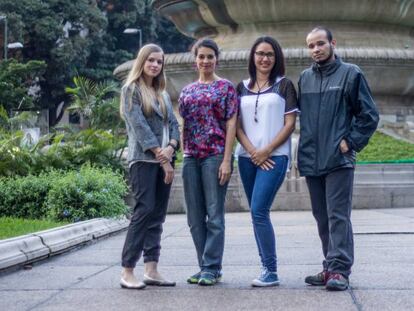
88	278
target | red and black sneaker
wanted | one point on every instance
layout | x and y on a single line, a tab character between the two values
319	279
337	281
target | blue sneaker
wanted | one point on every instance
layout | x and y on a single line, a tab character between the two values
266	278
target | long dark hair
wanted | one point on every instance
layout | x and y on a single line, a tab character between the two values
207	43
279	66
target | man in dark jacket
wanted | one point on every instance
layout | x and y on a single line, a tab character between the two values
338	116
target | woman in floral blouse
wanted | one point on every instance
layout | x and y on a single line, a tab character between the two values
209	110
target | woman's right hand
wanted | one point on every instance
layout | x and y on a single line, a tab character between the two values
168	171
165	154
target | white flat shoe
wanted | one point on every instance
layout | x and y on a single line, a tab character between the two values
156	282
128	285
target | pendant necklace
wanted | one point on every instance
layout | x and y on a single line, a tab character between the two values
259	88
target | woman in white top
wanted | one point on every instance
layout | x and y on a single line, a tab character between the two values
268	106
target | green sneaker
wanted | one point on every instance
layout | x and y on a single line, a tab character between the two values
194	278
209	278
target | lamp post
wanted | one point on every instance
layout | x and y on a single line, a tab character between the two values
133	31
14	45
4	18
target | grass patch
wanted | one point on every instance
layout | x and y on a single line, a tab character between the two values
12	227
383	148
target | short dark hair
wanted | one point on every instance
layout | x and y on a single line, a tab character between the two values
207	43
279	66
329	35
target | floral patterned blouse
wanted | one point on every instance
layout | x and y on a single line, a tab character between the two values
205	109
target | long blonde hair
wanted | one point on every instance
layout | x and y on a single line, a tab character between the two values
135	78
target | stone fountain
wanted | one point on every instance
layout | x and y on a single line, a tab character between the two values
376	35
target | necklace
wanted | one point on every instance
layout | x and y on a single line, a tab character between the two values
259	89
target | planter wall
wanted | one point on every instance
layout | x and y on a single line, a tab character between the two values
375	186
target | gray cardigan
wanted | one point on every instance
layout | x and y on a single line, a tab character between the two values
145	133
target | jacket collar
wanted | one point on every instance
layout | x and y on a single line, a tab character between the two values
156	107
327	69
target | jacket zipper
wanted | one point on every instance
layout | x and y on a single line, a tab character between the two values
317	124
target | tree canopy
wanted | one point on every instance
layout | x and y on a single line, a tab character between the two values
83	37
16	79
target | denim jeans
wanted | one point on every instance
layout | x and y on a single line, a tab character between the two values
261	187
204	197
331	198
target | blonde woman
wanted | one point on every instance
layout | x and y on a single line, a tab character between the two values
153	138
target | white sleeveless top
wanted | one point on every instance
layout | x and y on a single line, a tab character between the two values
273	103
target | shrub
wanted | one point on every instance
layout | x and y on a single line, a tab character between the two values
64	195
383	148
24	197
87	194
66	151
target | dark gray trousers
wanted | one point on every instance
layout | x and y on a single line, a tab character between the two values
331	199
151	202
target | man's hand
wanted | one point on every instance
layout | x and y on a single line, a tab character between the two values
343	146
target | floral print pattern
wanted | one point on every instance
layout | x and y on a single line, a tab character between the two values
205	109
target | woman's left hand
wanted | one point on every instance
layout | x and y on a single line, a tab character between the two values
224	172
267	165
260	156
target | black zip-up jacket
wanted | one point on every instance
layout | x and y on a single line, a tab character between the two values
335	103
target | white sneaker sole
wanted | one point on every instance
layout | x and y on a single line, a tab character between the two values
258	283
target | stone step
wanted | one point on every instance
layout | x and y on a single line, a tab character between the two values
375	185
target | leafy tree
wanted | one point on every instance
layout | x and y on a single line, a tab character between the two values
16	79
139	14
98	103
59	32
83	37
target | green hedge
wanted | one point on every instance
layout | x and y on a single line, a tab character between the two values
64	195
87	194
385	149
24	197
66	151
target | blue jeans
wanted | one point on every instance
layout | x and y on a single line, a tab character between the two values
261	187
204	197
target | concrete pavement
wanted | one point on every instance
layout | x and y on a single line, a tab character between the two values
88	278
